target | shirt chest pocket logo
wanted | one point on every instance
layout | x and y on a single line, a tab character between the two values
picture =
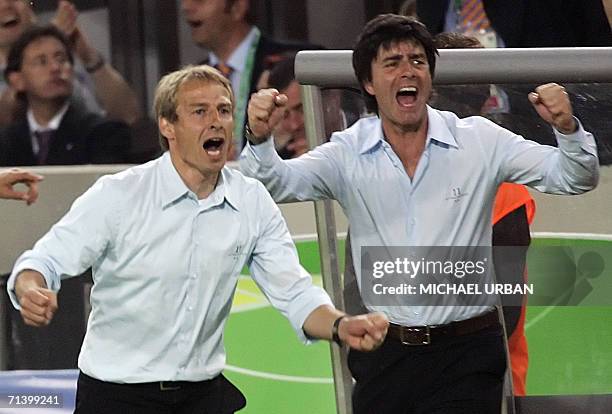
455	194
237	252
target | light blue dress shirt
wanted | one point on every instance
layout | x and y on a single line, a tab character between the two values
165	268
449	200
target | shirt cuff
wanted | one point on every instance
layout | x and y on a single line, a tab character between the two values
577	141
263	152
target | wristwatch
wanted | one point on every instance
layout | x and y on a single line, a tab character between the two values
97	65
253	140
335	335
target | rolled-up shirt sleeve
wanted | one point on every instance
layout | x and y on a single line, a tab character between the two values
316	175
275	267
570	168
73	244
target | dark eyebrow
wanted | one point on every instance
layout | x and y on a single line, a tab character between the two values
398	56
417	56
392	57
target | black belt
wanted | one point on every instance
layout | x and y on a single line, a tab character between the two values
424	335
157	385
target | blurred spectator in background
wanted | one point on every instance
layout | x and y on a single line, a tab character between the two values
55	129
98	85
513	209
236	48
290	134
16	176
520	23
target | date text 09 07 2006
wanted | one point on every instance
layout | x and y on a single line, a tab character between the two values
16	400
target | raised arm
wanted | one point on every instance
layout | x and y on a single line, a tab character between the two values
572	168
315	175
115	95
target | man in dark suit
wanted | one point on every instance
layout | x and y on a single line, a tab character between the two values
531	23
54	130
236	47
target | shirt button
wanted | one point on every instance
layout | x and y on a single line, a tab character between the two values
190	308
193	276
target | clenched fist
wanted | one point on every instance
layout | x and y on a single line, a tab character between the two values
363	332
38	304
266	109
553	105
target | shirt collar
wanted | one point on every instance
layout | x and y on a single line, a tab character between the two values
228	188
373	138
237	59
53	123
171	185
173	188
437	130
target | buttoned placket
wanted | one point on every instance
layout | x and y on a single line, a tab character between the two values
409	186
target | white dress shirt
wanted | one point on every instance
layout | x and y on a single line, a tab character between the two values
449	200
165	268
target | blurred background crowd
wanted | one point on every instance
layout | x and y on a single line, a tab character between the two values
82	92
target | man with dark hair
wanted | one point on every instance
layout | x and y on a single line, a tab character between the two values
416	176
167	241
98	86
237	48
55	130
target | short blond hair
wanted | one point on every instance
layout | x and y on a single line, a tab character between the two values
165	102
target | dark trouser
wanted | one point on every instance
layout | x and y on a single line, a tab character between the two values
463	374
215	396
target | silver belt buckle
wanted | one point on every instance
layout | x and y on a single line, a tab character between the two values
426	341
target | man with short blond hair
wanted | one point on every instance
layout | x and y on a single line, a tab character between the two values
167	241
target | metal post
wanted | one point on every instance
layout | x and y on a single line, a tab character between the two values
4	334
326	229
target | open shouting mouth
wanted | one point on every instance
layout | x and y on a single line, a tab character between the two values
213	146
406	96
